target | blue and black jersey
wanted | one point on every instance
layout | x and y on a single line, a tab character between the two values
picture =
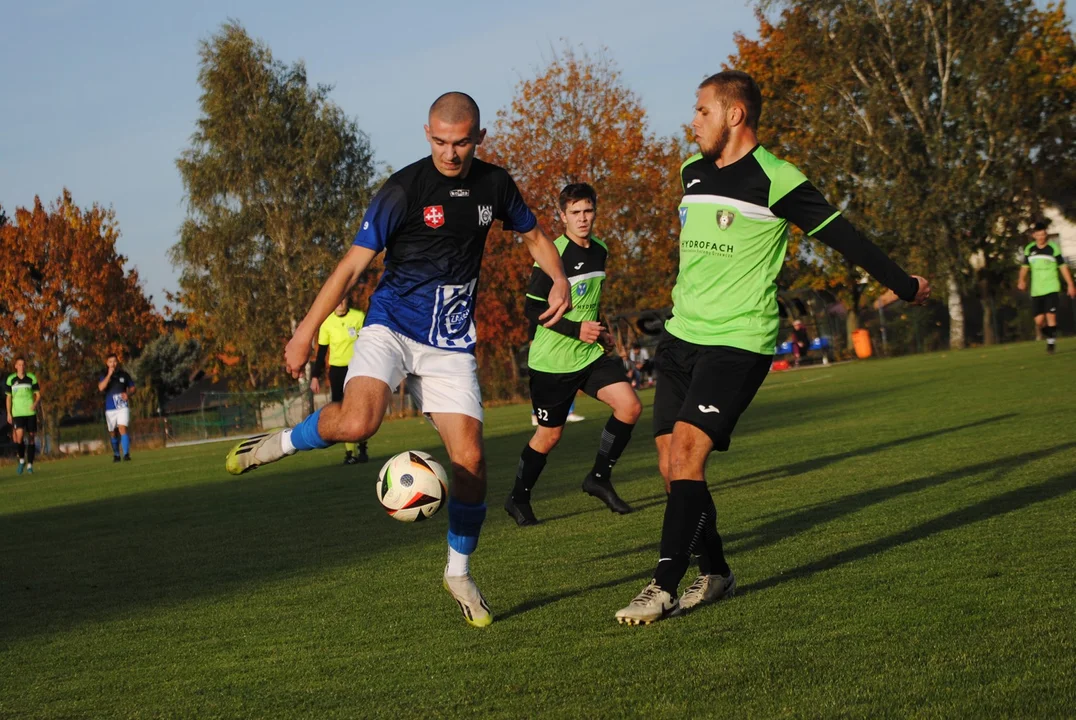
119	383
433	230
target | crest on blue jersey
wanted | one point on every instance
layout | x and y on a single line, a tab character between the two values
453	324
683	216
581	289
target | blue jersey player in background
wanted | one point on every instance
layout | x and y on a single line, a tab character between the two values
431	220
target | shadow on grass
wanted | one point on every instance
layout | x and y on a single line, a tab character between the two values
773	412
817	463
536	603
992	507
996	506
786	524
70	564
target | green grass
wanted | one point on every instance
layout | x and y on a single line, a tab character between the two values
902	532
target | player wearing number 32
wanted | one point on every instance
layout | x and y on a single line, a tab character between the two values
431	220
570	356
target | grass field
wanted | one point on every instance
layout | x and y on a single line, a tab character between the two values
902	531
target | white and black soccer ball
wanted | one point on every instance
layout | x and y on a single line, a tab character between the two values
412	486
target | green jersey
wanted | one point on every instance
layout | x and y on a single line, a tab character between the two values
558	349
1044	262
733	239
21	390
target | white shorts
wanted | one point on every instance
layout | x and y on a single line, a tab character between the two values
440	381
115	418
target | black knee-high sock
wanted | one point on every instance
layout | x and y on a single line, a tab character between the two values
1050	333
31	450
20	449
531	463
711	550
615	437
690	527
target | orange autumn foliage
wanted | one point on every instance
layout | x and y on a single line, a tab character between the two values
575	121
66	300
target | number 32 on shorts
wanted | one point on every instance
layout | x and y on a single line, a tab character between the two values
542	414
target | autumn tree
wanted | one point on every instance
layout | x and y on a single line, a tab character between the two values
934	123
277	178
66	301
575	121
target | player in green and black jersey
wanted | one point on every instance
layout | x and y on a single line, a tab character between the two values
738	201
570	356
22	396
1041	260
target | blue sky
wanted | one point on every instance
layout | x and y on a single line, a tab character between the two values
101	97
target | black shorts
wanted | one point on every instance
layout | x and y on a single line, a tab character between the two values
1044	304
337	375
552	394
25	422
706	386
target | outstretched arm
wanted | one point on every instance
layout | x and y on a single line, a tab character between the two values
811	212
343	278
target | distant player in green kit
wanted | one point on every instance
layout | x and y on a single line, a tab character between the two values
22	396
336	337
1042	259
738	200
569	357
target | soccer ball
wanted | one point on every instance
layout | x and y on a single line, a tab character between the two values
412	486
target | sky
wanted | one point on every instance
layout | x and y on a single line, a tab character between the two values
101	97
104	95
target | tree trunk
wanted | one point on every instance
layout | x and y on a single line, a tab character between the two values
987	302
956	316
304	379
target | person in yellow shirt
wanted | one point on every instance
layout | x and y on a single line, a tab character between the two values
337	337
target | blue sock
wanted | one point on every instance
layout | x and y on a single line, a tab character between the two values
464	525
305	436
115	444
125	441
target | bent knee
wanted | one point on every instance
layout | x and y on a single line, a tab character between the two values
359	428
469	463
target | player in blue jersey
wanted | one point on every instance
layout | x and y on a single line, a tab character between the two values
431	220
117	387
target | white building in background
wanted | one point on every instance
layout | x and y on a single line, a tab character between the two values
1063	231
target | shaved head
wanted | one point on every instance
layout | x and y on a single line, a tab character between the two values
454	108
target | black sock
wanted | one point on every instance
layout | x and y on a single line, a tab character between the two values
711	551
31	450
690	527
362	448
20	450
531	463
615	437
1049	332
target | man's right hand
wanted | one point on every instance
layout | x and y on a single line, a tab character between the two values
590	331
315	385
297	353
1021	284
